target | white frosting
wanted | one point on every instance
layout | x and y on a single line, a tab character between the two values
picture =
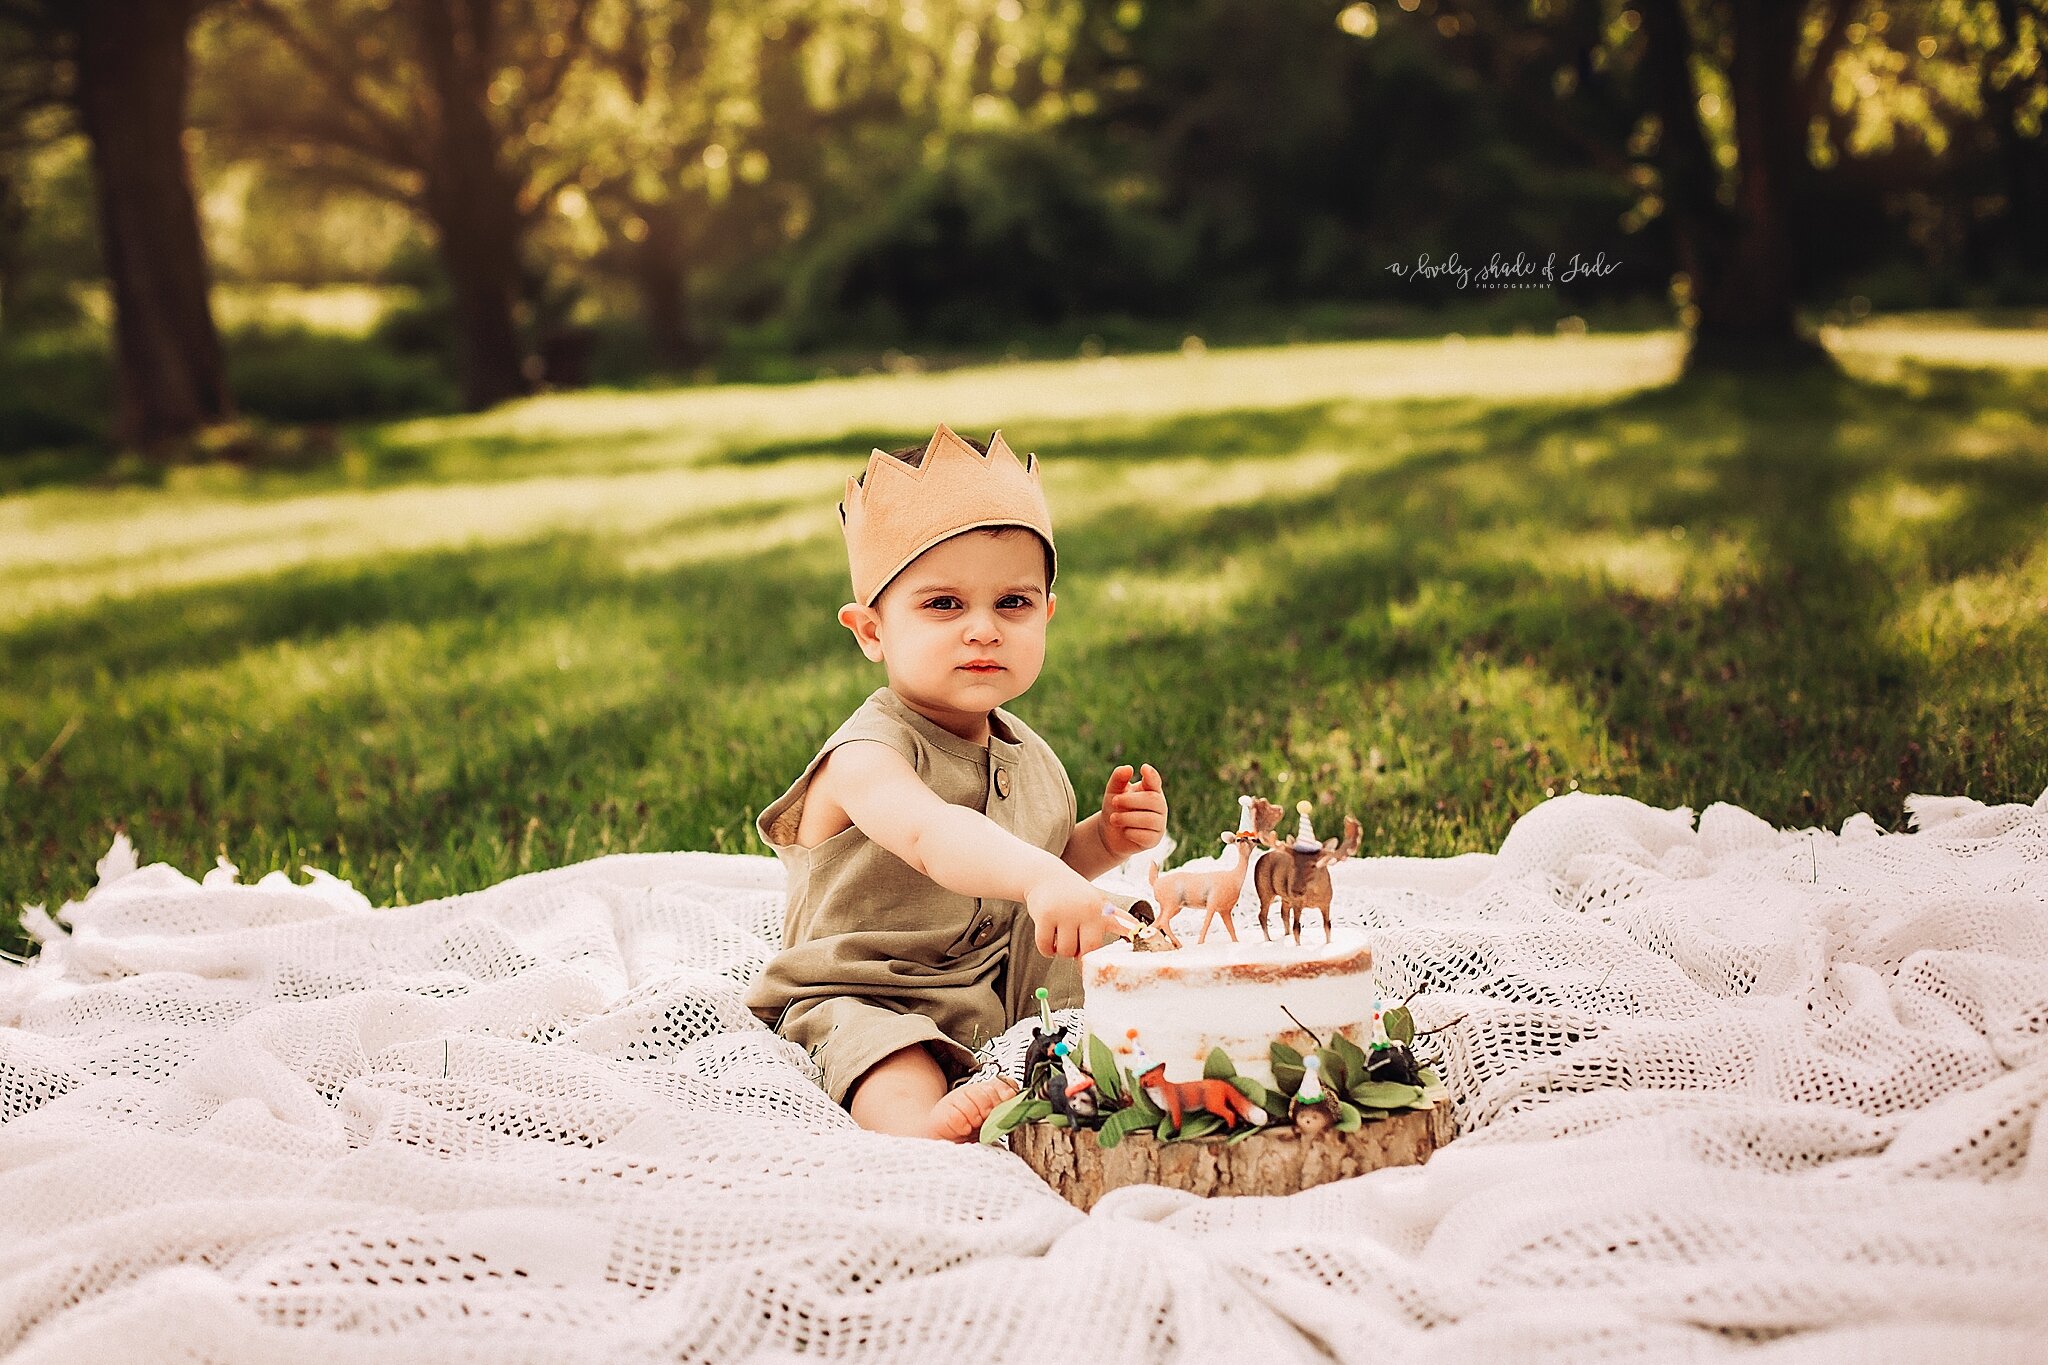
1186	1001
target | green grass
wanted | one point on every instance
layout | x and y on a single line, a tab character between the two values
1429	584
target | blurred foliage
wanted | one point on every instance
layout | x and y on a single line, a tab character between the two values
703	186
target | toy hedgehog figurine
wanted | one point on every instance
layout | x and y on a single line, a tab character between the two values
1313	1111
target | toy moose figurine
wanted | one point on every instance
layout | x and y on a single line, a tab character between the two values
1217	891
1297	874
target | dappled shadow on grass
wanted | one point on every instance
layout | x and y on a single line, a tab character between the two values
1685	595
1243	434
197	627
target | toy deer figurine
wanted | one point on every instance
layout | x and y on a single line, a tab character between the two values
1297	874
1216	892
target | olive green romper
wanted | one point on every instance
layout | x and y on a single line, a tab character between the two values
876	956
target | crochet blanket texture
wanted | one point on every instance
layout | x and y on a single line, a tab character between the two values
1725	1091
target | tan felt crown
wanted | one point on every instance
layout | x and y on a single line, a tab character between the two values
895	511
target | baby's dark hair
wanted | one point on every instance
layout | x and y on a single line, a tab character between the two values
914	455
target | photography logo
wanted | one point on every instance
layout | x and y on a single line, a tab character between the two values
1522	272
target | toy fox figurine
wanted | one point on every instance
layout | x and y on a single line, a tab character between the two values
1220	1098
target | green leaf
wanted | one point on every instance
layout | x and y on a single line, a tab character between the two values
1399	1024
1336	1074
1259	1095
1121	1122
1348	1119
1427	1078
1200	1125
1373	1115
1036	1110
1354	1059
1240	1135
1057	1121
1007	1115
1386	1095
1142	1102
1287	1069
1218	1067
1103	1069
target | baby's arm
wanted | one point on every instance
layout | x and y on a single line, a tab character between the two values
962	849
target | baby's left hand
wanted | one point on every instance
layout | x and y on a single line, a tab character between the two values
1133	811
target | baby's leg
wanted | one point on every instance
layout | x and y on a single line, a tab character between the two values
905	1093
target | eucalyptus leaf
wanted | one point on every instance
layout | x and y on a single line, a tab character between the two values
1218	1067
1007	1115
1240	1135
1348	1118
1287	1068
1427	1078
1336	1072
1102	1067
1142	1103
1122	1122
1354	1059
1399	1024
1057	1121
1259	1095
1386	1095
1036	1110
1200	1125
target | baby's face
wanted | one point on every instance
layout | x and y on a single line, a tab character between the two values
963	628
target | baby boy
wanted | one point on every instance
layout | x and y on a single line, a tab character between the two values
938	875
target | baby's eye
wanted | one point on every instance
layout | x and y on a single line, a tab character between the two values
1015	600
943	603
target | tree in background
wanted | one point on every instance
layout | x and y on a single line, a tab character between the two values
441	105
1736	113
125	70
815	166
2002	42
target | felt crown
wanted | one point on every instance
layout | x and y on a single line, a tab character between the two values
895	511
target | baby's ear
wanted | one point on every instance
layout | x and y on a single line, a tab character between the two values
1052	602
865	624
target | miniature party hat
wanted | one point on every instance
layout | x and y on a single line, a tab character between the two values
1305	840
894	511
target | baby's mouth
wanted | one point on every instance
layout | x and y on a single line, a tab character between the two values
981	668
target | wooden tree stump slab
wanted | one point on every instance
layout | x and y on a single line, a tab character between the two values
1277	1161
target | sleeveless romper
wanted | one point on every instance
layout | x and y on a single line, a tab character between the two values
878	957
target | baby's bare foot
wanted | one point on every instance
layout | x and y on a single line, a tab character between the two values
958	1117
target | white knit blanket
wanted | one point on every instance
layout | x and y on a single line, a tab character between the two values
1725	1091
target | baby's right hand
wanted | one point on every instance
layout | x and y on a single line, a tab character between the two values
1072	916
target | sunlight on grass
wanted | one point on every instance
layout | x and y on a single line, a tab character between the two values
1882	345
1946	619
168	541
807	522
1409	580
1013	396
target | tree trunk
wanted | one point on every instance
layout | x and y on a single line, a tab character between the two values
2025	159
1280	1160
1743	264
473	204
133	72
662	275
